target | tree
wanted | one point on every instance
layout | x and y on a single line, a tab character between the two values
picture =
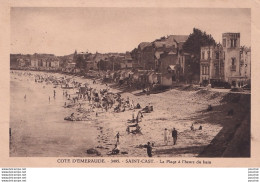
193	44
196	40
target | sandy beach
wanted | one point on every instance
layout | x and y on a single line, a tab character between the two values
39	129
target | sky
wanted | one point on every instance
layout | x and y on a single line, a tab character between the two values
61	31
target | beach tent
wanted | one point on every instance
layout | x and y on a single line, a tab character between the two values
166	79
152	77
136	76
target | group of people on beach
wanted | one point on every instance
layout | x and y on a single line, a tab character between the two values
102	100
174	135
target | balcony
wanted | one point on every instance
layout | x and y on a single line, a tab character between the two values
233	68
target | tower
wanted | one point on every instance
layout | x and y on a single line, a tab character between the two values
231	55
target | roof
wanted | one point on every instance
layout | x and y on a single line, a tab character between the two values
142	45
165	42
178	38
170	40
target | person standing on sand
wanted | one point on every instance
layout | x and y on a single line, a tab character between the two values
117	137
192	128
174	136
166	136
149	149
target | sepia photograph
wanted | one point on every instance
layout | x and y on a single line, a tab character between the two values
151	82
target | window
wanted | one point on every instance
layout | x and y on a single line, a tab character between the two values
233	42
224	54
203	55
233	61
216	70
217	55
224	42
205	70
233	64
208	54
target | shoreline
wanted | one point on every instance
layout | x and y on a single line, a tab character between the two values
170	110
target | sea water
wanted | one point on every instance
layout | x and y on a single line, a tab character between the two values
37	123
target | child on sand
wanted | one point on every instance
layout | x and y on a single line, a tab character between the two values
116	150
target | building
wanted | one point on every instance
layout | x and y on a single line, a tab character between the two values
227	62
245	65
21	62
147	54
126	62
211	63
54	62
34	63
166	59
231	53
